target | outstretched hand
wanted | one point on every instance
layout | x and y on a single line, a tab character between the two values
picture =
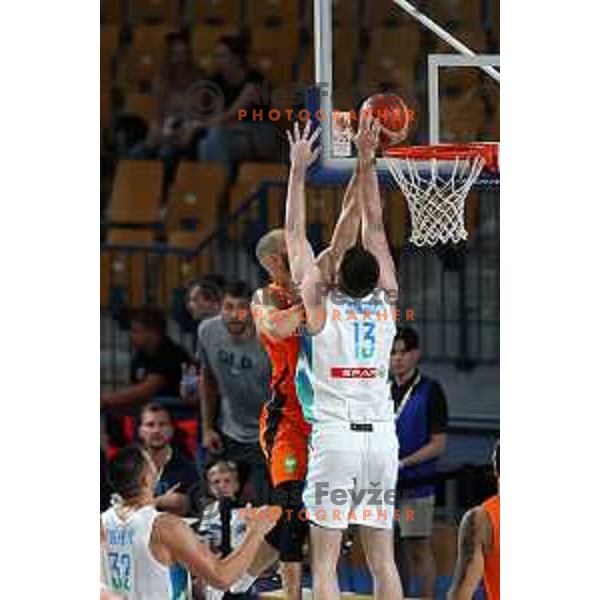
302	150
366	139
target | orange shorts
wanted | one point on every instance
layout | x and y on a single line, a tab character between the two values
284	441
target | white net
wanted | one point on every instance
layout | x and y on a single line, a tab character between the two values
436	197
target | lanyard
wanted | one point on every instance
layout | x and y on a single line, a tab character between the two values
407	395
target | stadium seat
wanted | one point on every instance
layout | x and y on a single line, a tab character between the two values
137	192
276	70
179	270
111	11
125	273
205	41
273	14
248	181
195	196
140	105
143	58
276	42
218	12
155	11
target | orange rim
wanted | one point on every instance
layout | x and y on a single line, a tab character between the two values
487	151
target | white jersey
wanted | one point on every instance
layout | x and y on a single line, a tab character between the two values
343	371
129	566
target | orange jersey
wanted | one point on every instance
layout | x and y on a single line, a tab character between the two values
491	574
283	430
284	358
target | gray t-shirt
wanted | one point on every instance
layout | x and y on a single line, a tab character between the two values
242	371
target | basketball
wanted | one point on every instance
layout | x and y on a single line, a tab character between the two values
392	113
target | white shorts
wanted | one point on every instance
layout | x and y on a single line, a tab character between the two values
351	475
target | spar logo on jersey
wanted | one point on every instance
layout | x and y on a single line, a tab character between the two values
357	372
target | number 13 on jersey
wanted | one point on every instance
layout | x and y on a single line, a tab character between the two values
364	340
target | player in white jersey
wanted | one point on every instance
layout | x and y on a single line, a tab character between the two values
342	378
148	555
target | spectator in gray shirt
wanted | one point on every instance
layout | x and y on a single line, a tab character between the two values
234	383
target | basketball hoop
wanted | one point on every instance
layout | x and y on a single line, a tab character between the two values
436	181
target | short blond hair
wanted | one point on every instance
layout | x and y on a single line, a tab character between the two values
223	466
270	244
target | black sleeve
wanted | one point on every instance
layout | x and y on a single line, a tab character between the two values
438	410
181	471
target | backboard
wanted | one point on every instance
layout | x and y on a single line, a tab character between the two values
441	56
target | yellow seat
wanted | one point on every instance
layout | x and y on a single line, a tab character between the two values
137	192
155	11
218	12
279	41
249	179
195	196
181	270
141	105
144	57
205	40
278	73
126	270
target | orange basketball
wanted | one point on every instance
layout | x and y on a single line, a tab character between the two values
392	113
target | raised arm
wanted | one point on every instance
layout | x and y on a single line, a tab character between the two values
345	232
373	231
302	155
186	549
472	538
272	321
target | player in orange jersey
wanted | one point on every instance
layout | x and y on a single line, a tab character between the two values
479	548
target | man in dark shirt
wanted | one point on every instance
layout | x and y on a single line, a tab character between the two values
421	424
156	364
177	475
